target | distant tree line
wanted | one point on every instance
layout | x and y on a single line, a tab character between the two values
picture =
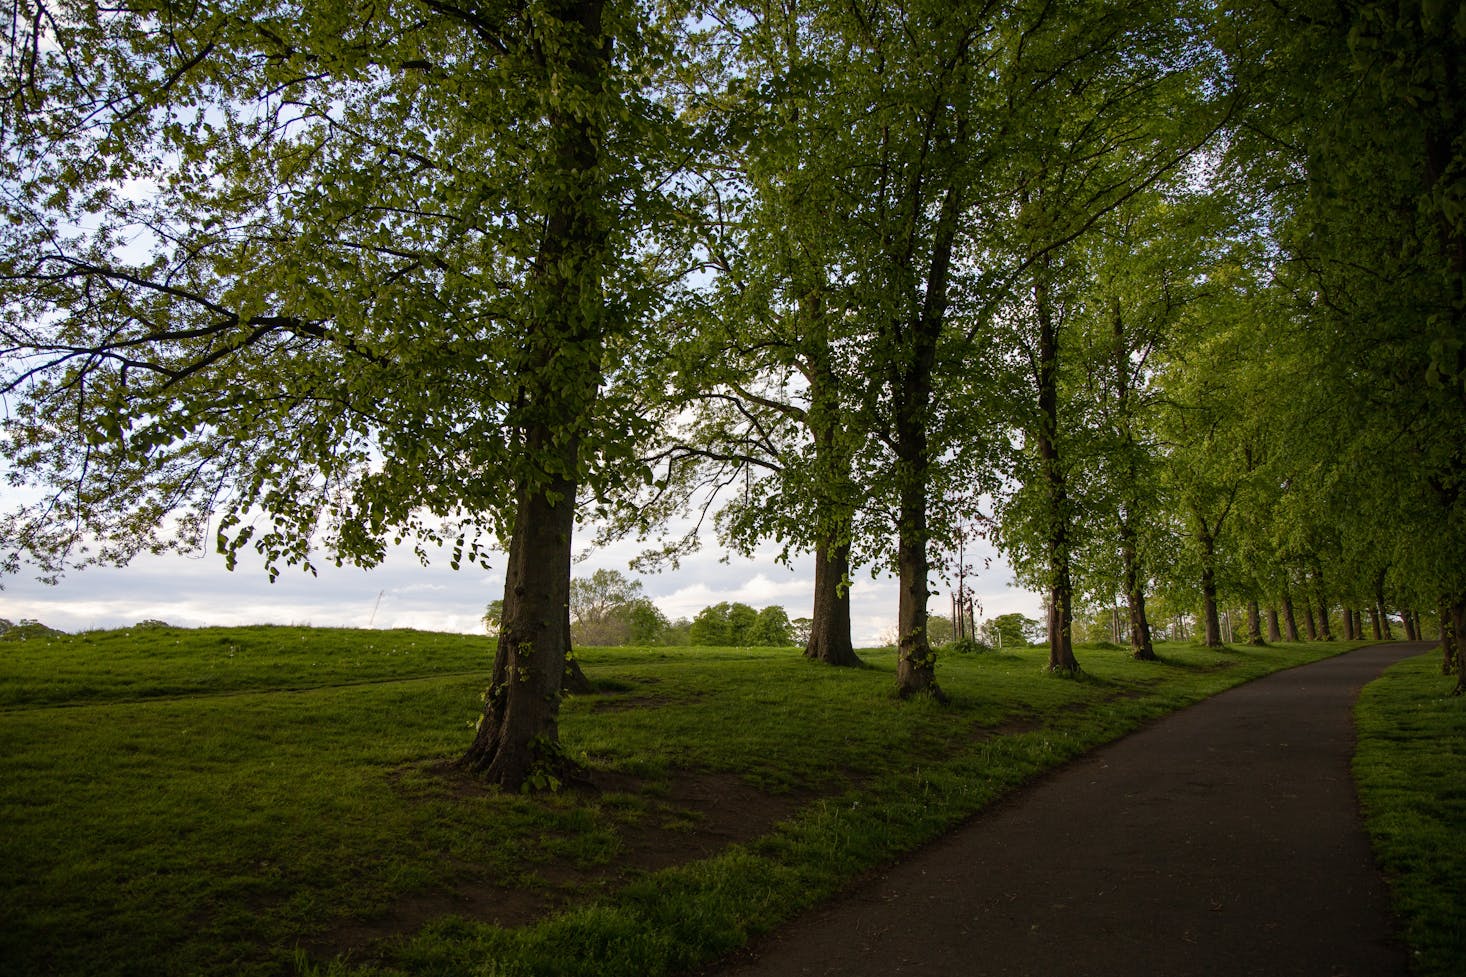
608	609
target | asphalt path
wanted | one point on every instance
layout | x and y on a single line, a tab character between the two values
1224	839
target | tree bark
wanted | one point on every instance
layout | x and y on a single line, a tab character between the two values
1407	618
829	635
1141	647
517	741
1458	639
1290	620
1348	624
1213	638
1309	621
518	735
916	666
1274	631
1254	623
1061	589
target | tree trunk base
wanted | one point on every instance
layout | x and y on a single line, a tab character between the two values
833	653
1146	653
575	682
913	682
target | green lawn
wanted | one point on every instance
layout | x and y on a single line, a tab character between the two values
255	801
1411	769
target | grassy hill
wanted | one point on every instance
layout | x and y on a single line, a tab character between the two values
273	800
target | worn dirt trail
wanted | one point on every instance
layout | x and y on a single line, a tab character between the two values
1224	839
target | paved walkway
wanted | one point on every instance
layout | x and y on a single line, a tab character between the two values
1222	840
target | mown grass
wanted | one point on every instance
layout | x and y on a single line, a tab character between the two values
1409	765
223	801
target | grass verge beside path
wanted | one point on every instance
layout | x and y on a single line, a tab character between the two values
253	801
1411	769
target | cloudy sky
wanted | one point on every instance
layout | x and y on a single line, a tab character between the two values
193	592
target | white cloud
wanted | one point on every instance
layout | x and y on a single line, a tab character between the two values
403	593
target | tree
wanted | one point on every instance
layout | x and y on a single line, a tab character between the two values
772	629
601	607
646	624
1010	630
380	286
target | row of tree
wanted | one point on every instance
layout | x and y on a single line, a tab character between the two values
1166	296
608	609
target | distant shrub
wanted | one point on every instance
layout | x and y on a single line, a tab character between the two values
968	646
152	625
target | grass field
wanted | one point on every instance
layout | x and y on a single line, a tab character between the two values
1411	770
264	801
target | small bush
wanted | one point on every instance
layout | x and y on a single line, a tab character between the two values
967	646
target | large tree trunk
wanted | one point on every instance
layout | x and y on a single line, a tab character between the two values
1290	620
518	735
1061	589
1274	631
1407	618
517	741
1374	624
829	635
1309	622
1348	624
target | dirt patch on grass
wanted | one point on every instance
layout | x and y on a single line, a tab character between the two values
657	823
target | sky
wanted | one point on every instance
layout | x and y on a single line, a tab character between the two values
197	591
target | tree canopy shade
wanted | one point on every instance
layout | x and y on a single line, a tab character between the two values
332	275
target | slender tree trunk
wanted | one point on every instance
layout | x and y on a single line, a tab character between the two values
1213	637
1374	624
1408	620
1449	657
1274	630
1458	639
1348	624
1254	623
1325	629
518	735
829	636
1358	624
916	667
1141	647
1061	590
1308	621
